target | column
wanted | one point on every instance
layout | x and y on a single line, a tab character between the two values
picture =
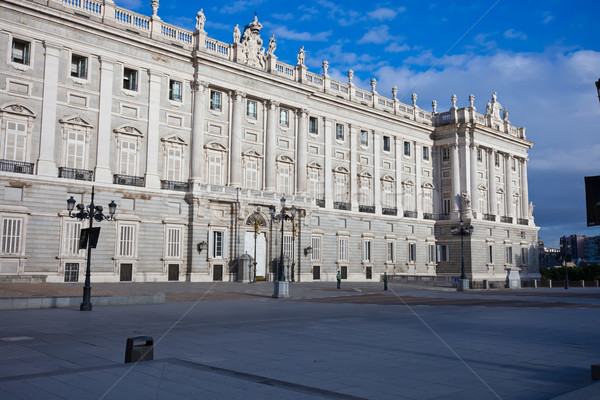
235	154
103	171
354	190
473	182
376	184
271	145
329	188
301	152
455	179
398	154
46	164
508	198
491	183
524	190
437	179
152	146
418	180
197	156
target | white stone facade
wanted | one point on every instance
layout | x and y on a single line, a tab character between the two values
194	138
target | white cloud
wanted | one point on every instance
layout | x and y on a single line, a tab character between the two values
547	18
513	34
384	13
397	48
377	35
285	33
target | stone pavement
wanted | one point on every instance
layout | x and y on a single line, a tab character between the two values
230	341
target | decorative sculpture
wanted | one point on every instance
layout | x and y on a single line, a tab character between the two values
301	56
200	20
272	45
236	34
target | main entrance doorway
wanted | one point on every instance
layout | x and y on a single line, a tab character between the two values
261	252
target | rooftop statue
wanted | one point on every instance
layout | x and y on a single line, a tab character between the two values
493	107
272	45
301	56
236	34
200	20
253	54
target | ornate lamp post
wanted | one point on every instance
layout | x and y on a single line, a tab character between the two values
281	287
255	220
294	235
91	212
463	231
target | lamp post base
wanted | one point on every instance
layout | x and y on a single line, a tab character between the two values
463	285
281	289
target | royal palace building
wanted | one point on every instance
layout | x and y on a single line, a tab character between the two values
196	139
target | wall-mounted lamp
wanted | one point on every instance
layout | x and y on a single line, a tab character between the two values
308	251
201	246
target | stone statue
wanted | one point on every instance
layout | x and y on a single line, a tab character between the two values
236	34
414	99
488	109
350	76
466	197
272	45
471	100
373	84
434	106
200	20
252	52
325	67
453	99
505	114
154	5
395	92
495	107
301	56
531	205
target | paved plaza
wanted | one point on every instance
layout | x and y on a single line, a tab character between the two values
233	341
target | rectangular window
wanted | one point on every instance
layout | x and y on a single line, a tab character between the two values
72	233
128	158
339	132
509	255
71	272
313	126
412	252
316	248
251	109
343	249
365	192
21	51
288	244
127	241
284	118
214	169
79	66
513	164
524	255
386	143
364	138
215	100
15	148
391	254
217	244
497	160
284	179
446	203
175	90
251	174
367	247
431	253
130	79
490	254
174	164
443	255
340	187
173	242
314	184
425	153
389	199
11	235
407	149
479	155
75	150
445	154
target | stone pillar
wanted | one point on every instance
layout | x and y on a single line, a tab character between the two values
508	198
271	145
46	163
301	152
197	157
235	155
376	184
399	188
354	190
456	198
492	207
418	148
524	190
153	140
329	185
473	181
103	171
437	178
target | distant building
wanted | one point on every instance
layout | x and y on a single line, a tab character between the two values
195	138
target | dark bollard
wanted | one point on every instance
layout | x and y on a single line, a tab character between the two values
136	351
385	281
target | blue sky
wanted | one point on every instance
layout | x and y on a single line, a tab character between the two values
541	57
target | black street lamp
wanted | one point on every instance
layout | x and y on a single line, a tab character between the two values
281	286
91	212
462	231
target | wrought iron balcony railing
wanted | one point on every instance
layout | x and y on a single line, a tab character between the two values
389	211
75	173
16	166
128	180
340	205
366	209
175	185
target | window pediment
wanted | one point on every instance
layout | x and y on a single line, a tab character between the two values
388	178
128	130
285	159
315	165
408	182
341	170
174	139
427	185
252	153
215	146
77	121
19	109
365	174
500	191
482	187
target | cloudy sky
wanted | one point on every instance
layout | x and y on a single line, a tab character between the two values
542	57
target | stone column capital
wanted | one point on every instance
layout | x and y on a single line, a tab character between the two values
272	104
200	86
239	95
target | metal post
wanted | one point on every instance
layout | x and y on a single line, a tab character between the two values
463	275
86	304
281	267
255	234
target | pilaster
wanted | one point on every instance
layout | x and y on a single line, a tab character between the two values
329	189
455	179
492	207
376	184
473	182
399	188
525	190
271	145
301	152
103	171
46	164
418	180
508	189
153	140
197	157
235	156
353	198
